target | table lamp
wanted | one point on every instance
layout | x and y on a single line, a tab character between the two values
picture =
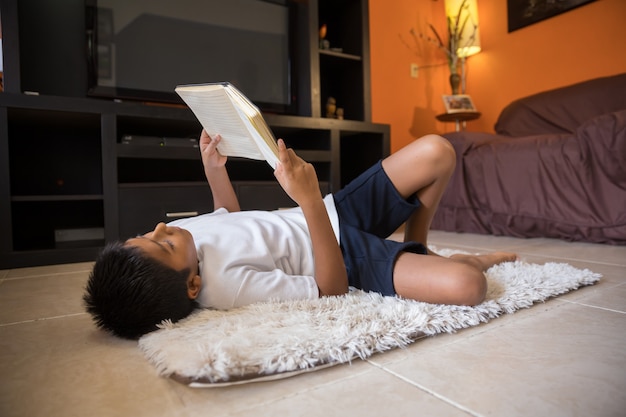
463	14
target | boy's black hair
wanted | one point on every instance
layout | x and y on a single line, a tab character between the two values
129	293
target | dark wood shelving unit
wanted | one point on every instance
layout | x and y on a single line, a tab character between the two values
64	169
126	189
343	68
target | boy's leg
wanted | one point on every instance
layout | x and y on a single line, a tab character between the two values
456	280
423	167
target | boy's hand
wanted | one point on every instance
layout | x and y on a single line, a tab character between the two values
211	158
296	176
299	180
215	170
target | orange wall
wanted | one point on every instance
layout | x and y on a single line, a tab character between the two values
583	43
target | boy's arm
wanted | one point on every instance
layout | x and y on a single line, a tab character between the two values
299	180
216	174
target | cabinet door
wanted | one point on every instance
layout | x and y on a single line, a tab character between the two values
266	196
141	208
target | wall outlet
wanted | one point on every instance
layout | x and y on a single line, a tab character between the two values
414	70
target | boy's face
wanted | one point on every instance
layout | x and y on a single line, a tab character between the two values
170	245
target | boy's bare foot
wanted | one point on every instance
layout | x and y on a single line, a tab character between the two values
484	262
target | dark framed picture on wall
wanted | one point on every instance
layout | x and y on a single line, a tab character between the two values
522	13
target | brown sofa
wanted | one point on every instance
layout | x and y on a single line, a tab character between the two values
556	167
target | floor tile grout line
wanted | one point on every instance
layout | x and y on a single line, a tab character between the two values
298	392
592	306
552	258
523	251
557	258
426	390
55	274
41	319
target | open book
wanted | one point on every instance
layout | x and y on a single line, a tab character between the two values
224	110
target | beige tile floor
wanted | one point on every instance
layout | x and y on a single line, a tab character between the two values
565	357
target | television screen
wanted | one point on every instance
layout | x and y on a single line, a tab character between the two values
143	49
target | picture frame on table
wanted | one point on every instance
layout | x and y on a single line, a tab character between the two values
458	103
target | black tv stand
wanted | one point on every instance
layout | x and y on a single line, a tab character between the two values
66	172
67	182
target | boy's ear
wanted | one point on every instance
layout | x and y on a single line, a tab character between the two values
194	283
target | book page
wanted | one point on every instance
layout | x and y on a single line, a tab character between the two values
265	140
218	115
267	143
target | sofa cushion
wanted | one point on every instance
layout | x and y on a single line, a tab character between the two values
603	140
564	109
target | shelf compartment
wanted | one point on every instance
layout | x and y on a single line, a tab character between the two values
343	80
304	139
157	127
54	153
343	70
157	152
73	197
370	148
133	170
34	223
344	20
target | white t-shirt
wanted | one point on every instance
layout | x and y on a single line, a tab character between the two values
251	256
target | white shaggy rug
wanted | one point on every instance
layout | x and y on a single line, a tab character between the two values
279	339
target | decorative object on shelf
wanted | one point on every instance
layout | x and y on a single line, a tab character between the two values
324	43
458	103
339	113
455	81
459	109
522	14
331	107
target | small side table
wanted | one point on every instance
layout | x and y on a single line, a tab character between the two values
459	117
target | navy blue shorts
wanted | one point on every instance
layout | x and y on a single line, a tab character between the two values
370	209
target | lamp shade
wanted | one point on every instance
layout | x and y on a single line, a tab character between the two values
469	40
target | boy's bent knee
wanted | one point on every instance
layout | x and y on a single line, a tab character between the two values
438	145
471	287
438	149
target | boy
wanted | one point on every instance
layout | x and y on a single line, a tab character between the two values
229	258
